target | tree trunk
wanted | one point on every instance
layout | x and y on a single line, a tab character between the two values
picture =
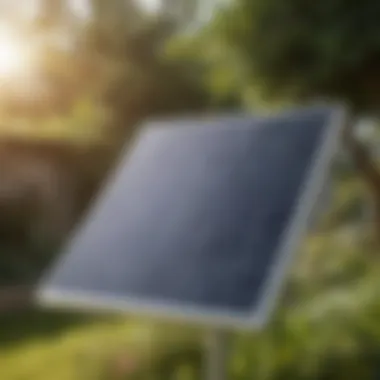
366	166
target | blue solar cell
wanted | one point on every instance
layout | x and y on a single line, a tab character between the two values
196	218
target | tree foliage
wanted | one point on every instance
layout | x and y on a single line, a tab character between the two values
300	50
146	83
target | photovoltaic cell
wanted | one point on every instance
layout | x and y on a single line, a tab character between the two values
198	221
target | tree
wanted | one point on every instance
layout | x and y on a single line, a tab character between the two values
140	80
297	51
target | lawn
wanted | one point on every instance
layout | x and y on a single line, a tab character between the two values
37	345
45	345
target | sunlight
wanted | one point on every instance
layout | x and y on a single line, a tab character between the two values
15	54
150	5
11	56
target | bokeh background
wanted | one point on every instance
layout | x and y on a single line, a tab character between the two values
77	79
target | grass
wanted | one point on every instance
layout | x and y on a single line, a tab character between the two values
40	345
37	345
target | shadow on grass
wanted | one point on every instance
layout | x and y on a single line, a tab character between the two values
16	327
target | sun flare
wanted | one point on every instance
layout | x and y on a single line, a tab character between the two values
15	57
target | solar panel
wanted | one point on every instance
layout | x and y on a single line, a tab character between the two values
198	223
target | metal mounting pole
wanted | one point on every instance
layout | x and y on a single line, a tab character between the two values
217	349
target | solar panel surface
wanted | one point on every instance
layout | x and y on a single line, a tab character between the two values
194	220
